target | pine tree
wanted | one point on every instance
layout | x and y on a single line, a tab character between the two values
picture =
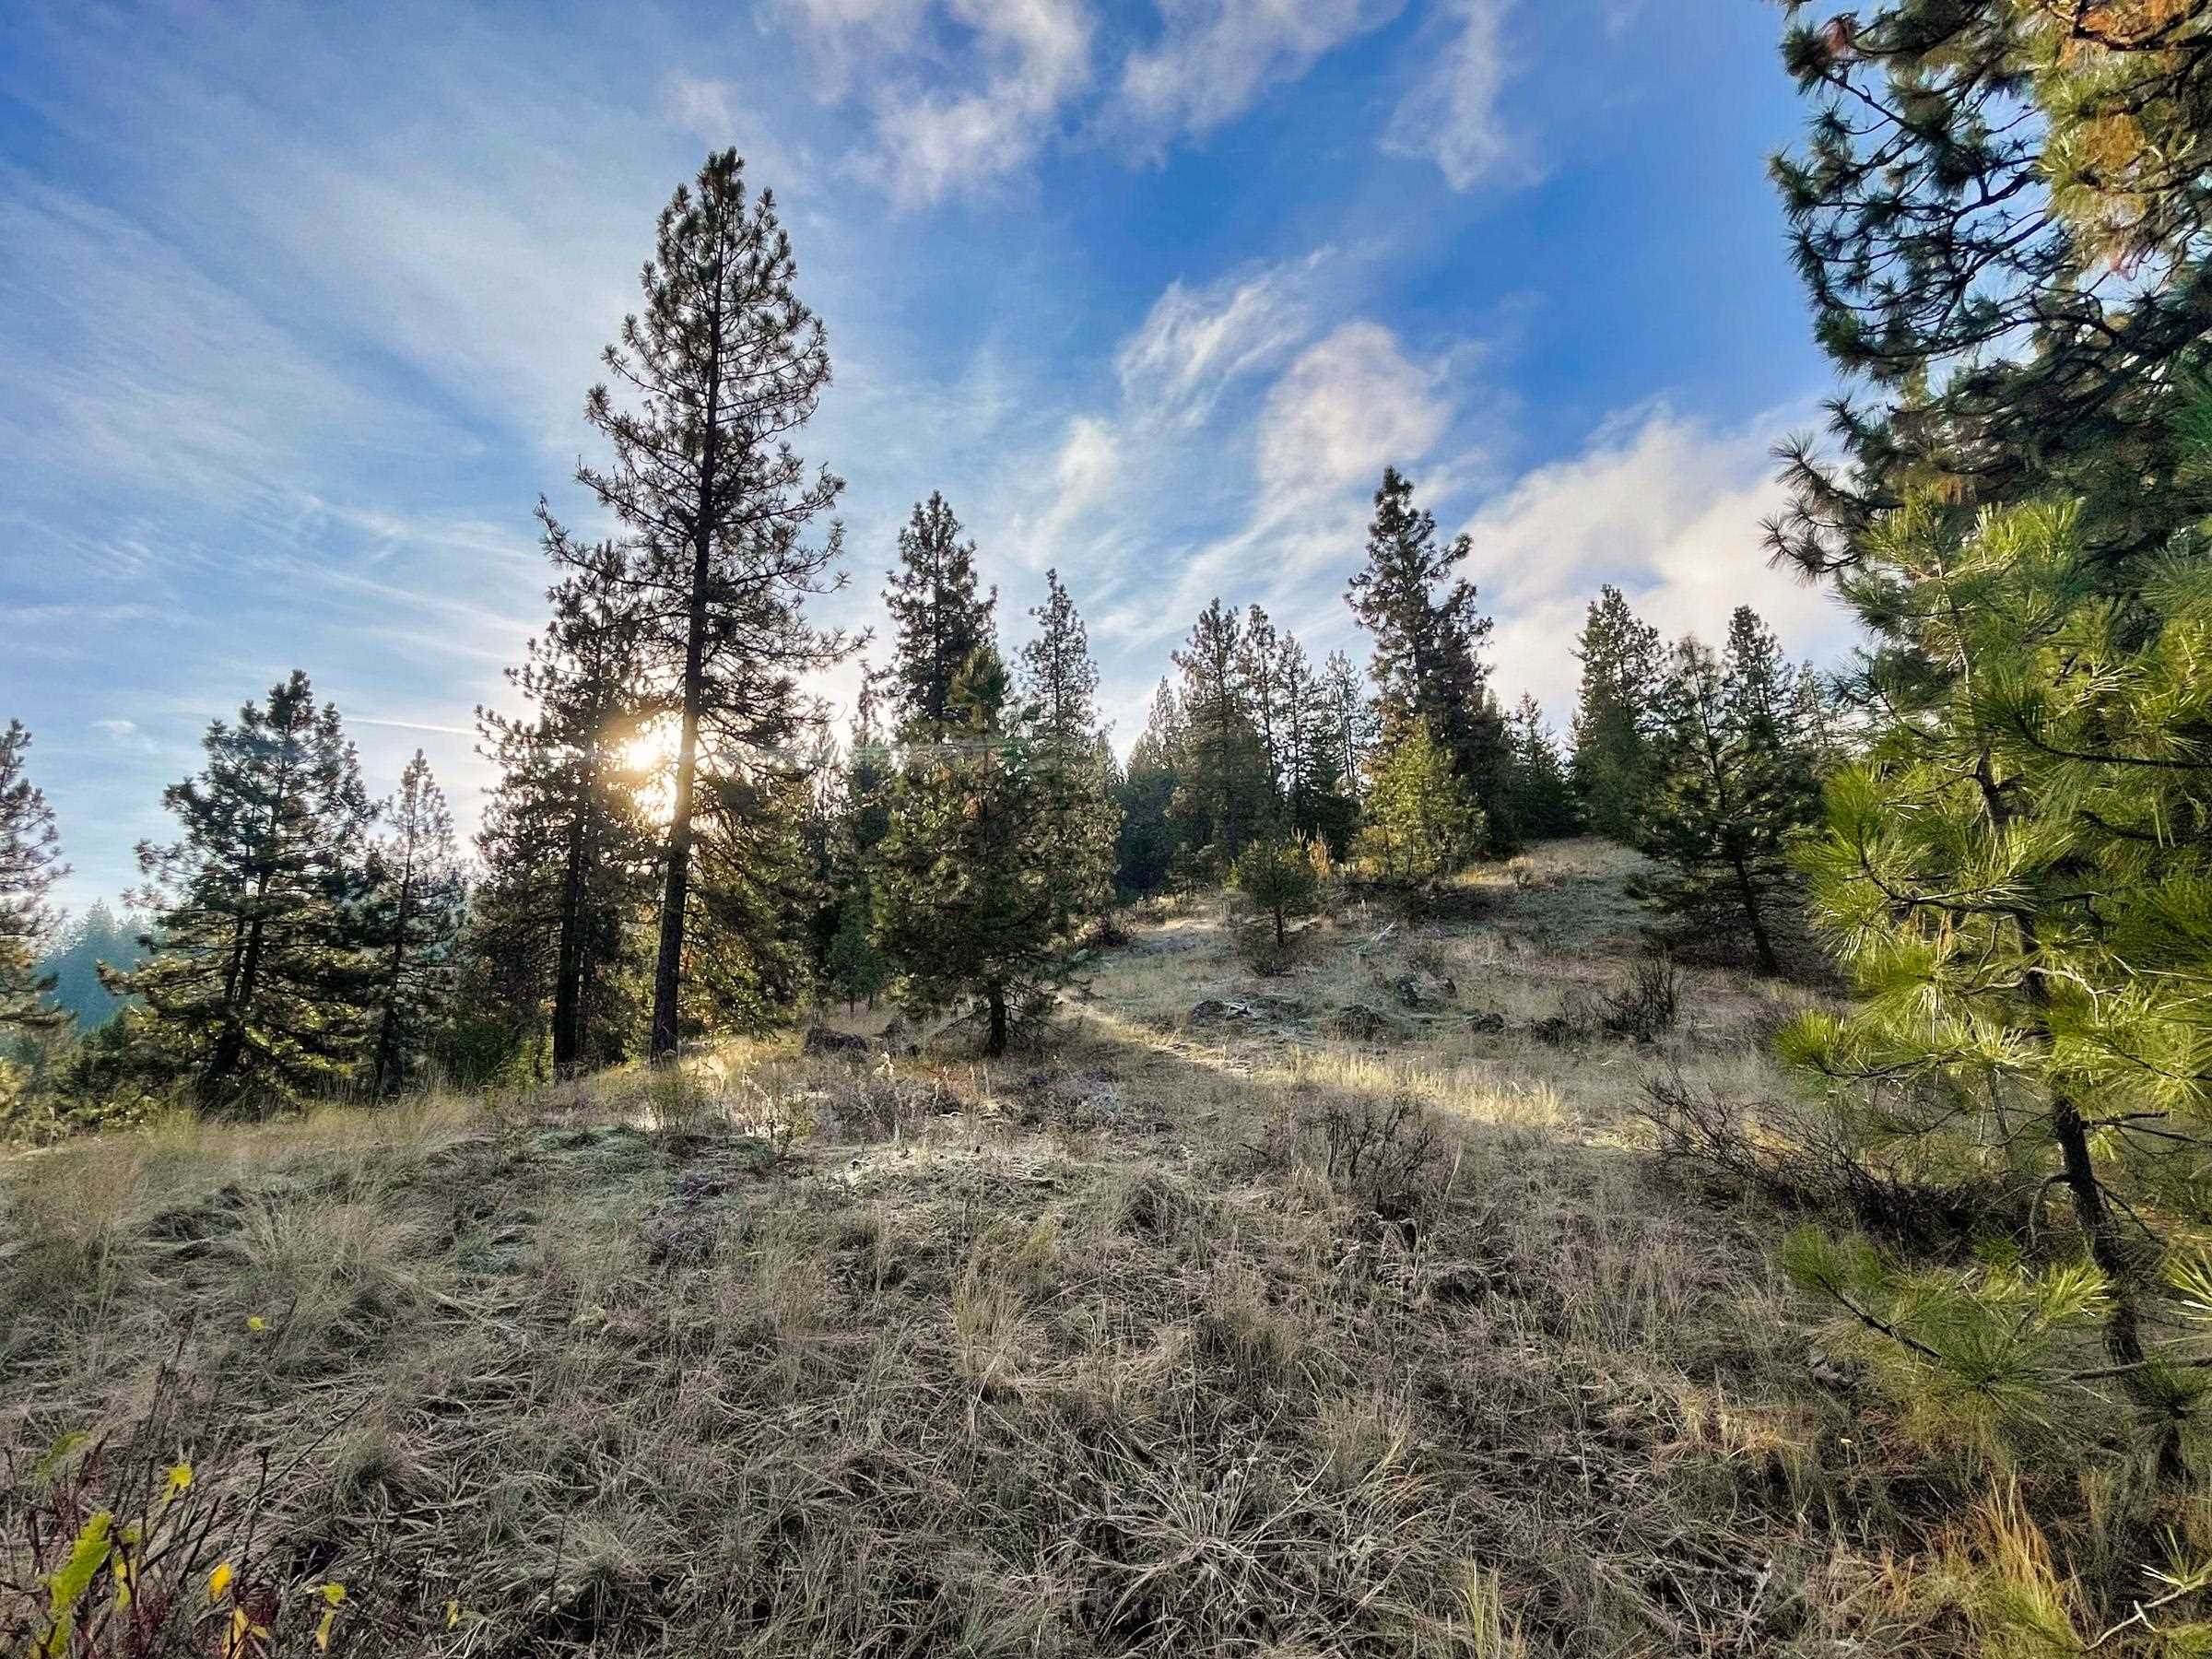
1623	665
724	364
1223	795
1080	819
1144	848
1731	789
409	921
858	970
966	901
1999	213
942	619
1423	819
1351	725
2016	877
255	984
1278	875
755	890
1428	638
1260	686
1542	797
29	865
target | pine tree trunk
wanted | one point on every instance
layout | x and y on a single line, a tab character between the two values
387	1035
668	966
1748	891
568	964
997	1042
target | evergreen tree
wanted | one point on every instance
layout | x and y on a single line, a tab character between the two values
1278	875
1144	848
1542	797
409	921
1260	685
29	865
1428	638
2000	213
1623	665
723	365
2016	877
1731	789
967	901
255	984
1351	725
568	851
757	889
1080	819
1423	819
941	619
1223	795
858	970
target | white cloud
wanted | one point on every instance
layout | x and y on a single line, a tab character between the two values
1666	509
1215	57
1451	117
1194	343
1350	404
958	116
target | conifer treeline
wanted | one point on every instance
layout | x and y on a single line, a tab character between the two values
675	847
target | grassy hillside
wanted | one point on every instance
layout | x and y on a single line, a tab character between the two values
1336	1312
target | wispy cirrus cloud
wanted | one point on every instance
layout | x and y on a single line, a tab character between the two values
1452	115
1215	58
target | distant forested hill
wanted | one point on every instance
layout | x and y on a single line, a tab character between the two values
99	935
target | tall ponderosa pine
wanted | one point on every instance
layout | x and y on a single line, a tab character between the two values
254	986
30	852
1623	665
569	852
409	919
1731	787
2015	876
1429	635
724	364
1351	724
941	619
2000	213
1081	820
967	904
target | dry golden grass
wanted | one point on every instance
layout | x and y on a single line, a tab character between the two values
1140	1344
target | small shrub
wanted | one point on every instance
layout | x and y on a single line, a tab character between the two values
1388	1156
1648	1005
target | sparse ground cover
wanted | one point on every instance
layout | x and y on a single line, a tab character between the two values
1335	1312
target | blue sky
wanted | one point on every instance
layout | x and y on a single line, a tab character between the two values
298	305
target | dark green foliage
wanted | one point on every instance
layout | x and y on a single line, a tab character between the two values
1622	668
1349	723
255	989
409	920
569	854
721	366
749	955
99	935
965	897
1223	793
1999	214
29	865
941	619
858	970
1732	786
1146	844
1428	637
1080	819
1538	793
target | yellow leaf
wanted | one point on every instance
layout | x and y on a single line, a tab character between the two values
453	1614
180	1478
323	1631
255	1322
333	1593
220	1581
